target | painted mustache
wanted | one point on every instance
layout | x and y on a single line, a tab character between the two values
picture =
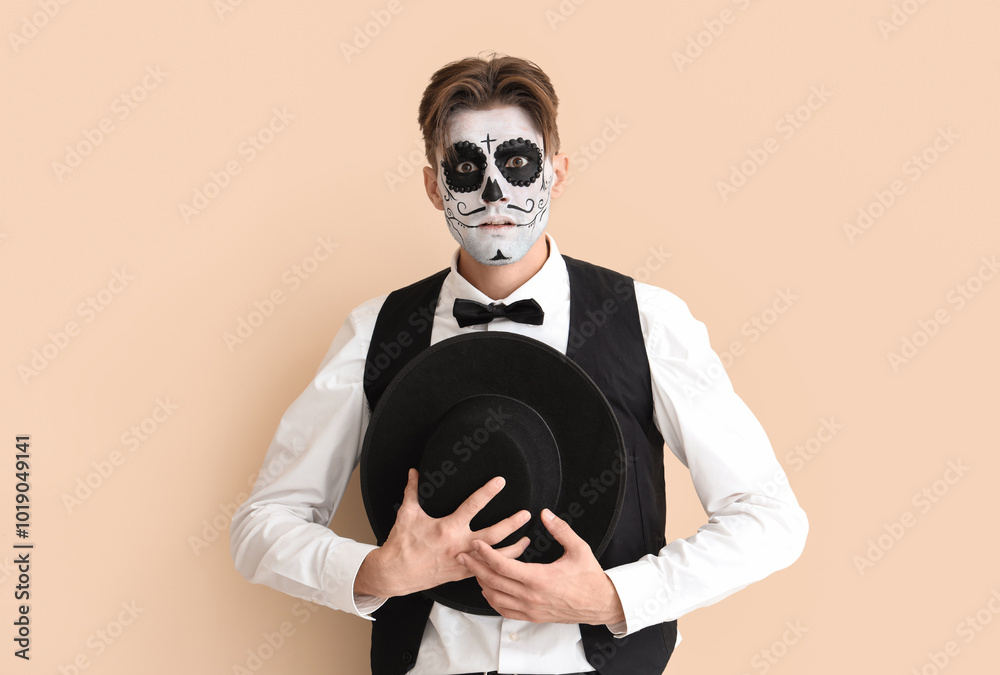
531	207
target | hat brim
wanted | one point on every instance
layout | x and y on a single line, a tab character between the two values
586	431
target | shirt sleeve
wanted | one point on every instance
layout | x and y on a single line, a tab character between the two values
279	536
755	524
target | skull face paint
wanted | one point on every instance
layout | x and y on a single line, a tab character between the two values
496	190
467	173
519	161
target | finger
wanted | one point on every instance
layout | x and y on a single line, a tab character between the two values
480	498
497	532
475	566
563	533
486	576
504	602
502	565
514	550
514	614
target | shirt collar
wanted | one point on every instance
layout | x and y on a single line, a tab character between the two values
549	285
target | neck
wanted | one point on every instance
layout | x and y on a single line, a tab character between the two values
499	281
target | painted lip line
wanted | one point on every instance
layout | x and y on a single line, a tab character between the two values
498	223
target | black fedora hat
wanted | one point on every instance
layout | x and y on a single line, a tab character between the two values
488	404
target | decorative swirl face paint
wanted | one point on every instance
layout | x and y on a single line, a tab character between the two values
496	210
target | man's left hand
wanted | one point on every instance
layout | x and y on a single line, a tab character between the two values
573	589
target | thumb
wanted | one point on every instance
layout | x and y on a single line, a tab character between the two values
563	533
410	491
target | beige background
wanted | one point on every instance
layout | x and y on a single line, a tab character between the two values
671	133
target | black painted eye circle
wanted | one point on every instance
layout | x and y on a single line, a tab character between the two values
466	173
519	160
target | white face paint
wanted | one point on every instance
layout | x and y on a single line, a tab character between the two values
496	194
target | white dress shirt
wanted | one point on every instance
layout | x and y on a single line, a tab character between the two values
280	535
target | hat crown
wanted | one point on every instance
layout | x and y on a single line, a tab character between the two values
481	437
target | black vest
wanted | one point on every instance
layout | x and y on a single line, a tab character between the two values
606	340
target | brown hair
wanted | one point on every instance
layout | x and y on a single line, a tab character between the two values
476	83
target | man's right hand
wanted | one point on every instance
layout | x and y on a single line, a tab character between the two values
420	551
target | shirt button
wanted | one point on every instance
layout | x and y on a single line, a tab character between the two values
513	637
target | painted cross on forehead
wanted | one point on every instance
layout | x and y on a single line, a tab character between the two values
495	204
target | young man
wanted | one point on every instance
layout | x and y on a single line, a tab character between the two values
491	140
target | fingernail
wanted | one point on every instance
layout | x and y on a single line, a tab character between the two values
548	515
500	481
461	560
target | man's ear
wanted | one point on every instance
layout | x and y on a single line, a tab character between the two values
431	186
560	165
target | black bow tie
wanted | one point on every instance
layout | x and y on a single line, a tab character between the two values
470	312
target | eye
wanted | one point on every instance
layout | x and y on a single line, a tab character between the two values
519	160
464	171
